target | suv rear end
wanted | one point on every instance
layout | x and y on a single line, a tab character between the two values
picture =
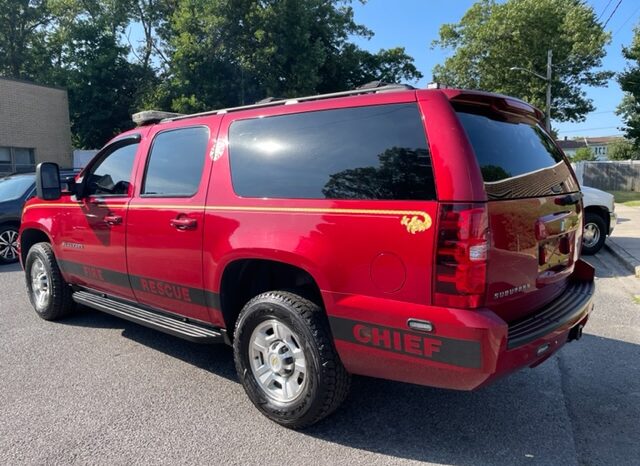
507	285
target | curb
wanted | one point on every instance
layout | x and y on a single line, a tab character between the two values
628	261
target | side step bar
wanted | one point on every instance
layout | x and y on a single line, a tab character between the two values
153	319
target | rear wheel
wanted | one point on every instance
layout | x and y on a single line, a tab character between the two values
8	244
594	233
49	294
286	360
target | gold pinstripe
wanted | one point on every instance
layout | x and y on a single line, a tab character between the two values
414	220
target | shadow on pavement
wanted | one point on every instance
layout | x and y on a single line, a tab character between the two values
213	358
518	420
522	419
15	267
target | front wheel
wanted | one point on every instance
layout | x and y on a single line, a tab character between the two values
594	233
49	294
8	244
286	360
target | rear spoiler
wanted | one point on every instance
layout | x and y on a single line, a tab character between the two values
497	102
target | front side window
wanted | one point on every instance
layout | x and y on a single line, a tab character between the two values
373	152
175	163
111	176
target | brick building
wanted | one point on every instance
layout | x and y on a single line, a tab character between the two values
34	126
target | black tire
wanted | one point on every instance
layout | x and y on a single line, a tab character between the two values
326	382
594	224
59	303
8	244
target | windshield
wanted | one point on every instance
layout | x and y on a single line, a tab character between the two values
15	187
517	159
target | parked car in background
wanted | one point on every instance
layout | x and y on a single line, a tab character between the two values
15	190
599	220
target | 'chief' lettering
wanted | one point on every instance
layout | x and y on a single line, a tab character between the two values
396	340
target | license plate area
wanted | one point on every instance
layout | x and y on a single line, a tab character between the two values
555	254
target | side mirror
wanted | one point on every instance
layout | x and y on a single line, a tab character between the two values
48	181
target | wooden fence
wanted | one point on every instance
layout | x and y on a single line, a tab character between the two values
610	176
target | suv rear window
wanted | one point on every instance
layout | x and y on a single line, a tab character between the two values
517	158
374	152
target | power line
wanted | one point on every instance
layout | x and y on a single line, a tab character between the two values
626	21
586	129
597	52
612	13
605	9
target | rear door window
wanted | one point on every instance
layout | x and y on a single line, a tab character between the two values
174	168
516	157
374	152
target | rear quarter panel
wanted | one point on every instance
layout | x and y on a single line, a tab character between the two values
350	248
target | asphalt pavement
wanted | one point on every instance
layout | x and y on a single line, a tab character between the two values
99	390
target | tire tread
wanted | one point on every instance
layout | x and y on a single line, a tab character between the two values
336	379
62	303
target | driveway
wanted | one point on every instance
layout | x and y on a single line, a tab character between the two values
96	389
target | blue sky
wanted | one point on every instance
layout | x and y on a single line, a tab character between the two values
413	24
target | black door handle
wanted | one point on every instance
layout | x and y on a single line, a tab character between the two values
569	199
184	223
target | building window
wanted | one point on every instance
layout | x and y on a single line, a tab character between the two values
16	160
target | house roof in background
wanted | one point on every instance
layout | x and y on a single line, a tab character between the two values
586	142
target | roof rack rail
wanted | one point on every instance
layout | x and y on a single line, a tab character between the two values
268	102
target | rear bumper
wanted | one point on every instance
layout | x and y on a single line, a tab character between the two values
466	349
613	220
564	312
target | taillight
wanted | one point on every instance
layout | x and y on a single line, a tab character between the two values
461	255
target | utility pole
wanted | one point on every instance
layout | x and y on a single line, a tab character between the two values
547	80
549	59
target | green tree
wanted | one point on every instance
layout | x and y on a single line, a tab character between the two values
493	37
584	154
622	149
22	37
223	52
90	59
629	79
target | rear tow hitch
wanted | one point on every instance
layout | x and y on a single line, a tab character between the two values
576	332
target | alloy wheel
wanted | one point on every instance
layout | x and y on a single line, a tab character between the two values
277	361
9	245
40	284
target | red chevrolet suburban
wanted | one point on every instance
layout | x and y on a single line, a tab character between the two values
428	236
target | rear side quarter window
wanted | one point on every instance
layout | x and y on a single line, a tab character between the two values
374	152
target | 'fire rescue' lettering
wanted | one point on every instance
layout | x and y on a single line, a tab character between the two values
93	273
165	289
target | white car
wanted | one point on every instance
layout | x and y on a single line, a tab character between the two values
599	220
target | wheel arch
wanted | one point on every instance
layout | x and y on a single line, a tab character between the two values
30	236
242	278
601	212
11	222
